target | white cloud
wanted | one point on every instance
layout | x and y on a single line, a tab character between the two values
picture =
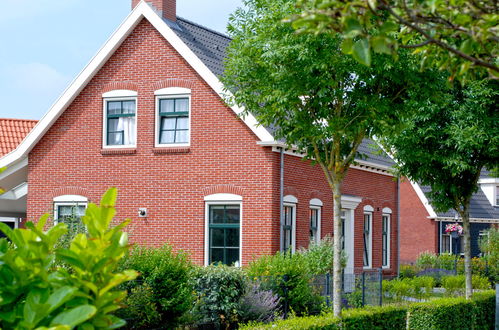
38	79
14	10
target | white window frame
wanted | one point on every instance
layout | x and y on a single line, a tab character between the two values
222	199
8	219
171	93
368	210
387	212
316	204
68	200
118	95
290	201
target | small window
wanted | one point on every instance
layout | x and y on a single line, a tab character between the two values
386	240
224	234
315	219
497	195
287	228
173	116
446	243
120	122
367	238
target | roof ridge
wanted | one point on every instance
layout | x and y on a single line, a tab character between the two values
204	28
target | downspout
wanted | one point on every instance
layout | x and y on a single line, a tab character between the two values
398	226
281	198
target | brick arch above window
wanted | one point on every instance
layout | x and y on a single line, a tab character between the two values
318	195
223	189
118	85
290	191
174	82
79	191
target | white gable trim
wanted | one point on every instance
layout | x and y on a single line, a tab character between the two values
424	200
142	10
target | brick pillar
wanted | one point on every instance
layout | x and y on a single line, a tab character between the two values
168	8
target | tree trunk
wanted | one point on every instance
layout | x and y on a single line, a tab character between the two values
337	271
465	215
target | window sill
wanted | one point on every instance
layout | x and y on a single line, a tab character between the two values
118	151
171	150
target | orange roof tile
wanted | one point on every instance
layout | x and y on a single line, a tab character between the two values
12	132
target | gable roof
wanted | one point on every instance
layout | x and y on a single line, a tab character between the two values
480	207
141	11
12	132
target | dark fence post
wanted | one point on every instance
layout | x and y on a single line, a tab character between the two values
363	289
328	289
380	272
285	279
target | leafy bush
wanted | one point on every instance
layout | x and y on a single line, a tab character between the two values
141	310
219	291
490	248
165	277
426	260
258	305
454	313
36	292
446	261
455	284
319	256
397	288
289	277
422	286
407	271
436	274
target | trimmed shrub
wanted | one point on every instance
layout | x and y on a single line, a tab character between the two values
453	313
426	260
288	276
219	291
163	285
436	274
490	247
455	284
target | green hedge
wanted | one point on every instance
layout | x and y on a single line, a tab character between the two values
454	313
444	313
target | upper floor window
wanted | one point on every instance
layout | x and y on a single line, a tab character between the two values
120	123
173	116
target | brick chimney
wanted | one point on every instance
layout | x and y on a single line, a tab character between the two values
168	8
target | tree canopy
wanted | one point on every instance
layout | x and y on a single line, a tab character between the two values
461	36
321	101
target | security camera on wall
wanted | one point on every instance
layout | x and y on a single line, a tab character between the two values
142	212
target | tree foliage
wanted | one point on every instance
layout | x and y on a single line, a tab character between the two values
457	35
447	143
321	101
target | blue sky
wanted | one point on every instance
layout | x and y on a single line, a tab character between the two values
44	44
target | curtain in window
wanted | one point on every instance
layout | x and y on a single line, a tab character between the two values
127	125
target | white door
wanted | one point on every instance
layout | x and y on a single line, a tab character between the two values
347	220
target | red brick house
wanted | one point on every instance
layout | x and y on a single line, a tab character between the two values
423	229
147	116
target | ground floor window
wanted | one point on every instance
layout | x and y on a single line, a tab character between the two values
367	239
287	228
386	240
314	224
69	209
224	234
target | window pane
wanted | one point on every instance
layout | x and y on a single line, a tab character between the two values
167	123
129	107
288	214
167	137
217	255
232	237
181	137
112	125
181	105
115	138
182	123
287	239
445	243
217	214
114	107
217	237
232	256
167	105
232	214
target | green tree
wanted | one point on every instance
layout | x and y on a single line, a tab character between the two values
446	144
322	102
457	35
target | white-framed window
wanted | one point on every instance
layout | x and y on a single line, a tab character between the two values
448	244
315	220
69	209
288	228
173	112
120	119
385	237
223	229
367	236
497	195
13	223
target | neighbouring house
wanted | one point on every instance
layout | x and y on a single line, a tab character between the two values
12	132
423	229
147	116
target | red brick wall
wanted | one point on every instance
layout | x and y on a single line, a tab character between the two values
417	232
223	156
306	182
